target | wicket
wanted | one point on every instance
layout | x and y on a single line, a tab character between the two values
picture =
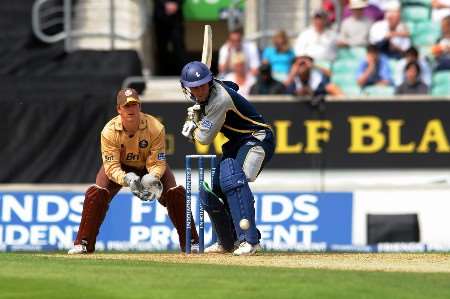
201	178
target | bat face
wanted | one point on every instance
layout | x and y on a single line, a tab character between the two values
207	46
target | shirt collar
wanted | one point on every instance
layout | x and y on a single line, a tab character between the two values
142	124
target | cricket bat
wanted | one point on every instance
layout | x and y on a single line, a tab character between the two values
207	46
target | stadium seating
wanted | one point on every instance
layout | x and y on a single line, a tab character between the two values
393	65
379	90
411	27
441	84
323	63
351	53
351	89
346	65
417	2
425	33
343	79
441	78
344	72
415	13
442	90
425	51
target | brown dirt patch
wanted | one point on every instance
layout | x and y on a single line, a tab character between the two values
391	262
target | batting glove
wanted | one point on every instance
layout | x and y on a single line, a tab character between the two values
193	113
188	129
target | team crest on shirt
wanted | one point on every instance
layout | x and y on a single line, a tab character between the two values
161	156
143	143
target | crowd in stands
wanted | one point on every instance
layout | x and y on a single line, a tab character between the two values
380	47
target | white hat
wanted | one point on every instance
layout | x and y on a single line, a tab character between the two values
392	5
357	4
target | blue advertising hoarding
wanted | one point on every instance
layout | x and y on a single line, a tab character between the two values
49	221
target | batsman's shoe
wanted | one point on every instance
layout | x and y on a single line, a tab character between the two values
246	248
218	248
78	249
215	248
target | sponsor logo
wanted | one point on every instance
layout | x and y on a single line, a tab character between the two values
132	157
206	123
109	158
197	74
287	221
143	143
162	156
128	92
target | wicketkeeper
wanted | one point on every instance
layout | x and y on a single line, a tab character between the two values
133	153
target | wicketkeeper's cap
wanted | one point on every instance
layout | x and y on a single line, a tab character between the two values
128	95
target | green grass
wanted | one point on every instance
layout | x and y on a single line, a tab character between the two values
28	276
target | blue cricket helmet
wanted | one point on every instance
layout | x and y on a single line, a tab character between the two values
195	74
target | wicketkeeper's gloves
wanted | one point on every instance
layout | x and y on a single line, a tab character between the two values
152	187
134	182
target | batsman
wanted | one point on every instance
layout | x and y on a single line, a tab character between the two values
250	145
133	154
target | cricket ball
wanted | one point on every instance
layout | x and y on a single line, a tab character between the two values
244	224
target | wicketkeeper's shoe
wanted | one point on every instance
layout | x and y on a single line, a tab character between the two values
78	249
246	248
215	248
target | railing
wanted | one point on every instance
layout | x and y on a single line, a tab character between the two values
46	14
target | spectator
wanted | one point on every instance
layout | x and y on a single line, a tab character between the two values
371	12
412	55
317	41
413	84
441	9
309	81
236	44
355	29
390	35
280	56
441	50
239	74
266	84
374	69
169	37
